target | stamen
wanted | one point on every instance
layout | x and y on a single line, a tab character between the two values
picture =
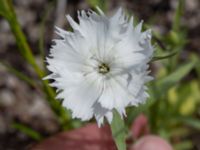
103	68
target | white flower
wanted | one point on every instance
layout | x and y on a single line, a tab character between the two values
101	65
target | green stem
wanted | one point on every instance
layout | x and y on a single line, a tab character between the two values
118	131
7	11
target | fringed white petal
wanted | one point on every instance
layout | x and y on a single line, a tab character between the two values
97	43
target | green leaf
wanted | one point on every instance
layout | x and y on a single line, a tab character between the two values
100	3
183	145
195	123
93	3
164	84
7	9
155	58
4	8
196	58
19	74
178	14
42	30
28	131
118	131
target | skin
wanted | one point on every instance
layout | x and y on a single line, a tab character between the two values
92	137
151	142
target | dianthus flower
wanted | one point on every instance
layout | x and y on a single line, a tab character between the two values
101	66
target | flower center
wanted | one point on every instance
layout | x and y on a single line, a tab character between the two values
103	68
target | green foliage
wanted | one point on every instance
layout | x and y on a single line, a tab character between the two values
167	82
118	131
41	44
7	11
100	3
19	74
190	122
178	15
197	66
156	58
173	101
185	145
27	131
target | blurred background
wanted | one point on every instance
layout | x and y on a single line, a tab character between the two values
173	110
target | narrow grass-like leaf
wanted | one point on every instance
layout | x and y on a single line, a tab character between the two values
28	131
183	145
42	31
167	82
100	3
156	58
24	48
26	52
196	58
5	8
19	74
178	14
195	123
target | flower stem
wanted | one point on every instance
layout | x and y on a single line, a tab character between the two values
118	131
8	12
